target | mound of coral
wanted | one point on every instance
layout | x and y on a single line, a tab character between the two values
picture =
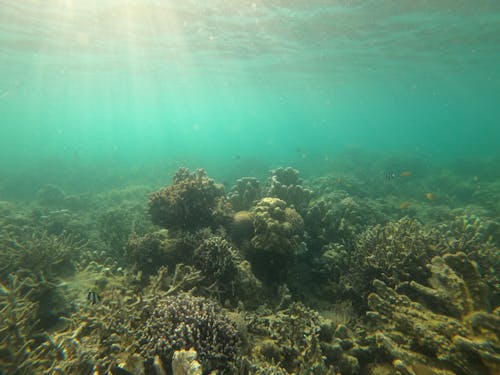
193	201
184	322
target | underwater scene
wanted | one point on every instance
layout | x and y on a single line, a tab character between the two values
242	187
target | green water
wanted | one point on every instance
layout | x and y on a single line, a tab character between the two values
215	84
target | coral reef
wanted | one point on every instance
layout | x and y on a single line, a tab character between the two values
349	280
193	201
117	224
471	235
184	363
338	217
228	277
149	252
278	233
451	330
241	228
290	340
37	252
246	191
50	196
184	322
285	184
395	252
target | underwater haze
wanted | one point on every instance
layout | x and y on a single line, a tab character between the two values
134	81
249	187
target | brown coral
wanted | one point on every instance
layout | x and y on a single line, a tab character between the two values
464	339
193	201
246	191
184	322
285	184
278	232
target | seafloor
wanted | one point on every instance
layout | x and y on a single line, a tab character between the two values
364	268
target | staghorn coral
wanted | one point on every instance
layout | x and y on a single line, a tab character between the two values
193	201
38	252
246	191
184	322
278	232
452	330
24	347
285	184
17	327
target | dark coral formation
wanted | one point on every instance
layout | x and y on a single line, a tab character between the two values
278	234
149	252
228	276
395	253
184	322
338	217
241	228
246	191
285	184
193	201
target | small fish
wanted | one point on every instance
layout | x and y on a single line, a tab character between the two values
405	174
404	205
237	157
430	196
390	175
93	298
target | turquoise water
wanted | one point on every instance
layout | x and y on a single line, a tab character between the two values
215	83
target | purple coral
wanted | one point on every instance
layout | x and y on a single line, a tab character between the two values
184	322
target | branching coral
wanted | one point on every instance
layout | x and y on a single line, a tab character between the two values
462	339
246	191
17	326
38	253
184	322
24	348
116	225
193	201
469	234
285	184
395	253
290	340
